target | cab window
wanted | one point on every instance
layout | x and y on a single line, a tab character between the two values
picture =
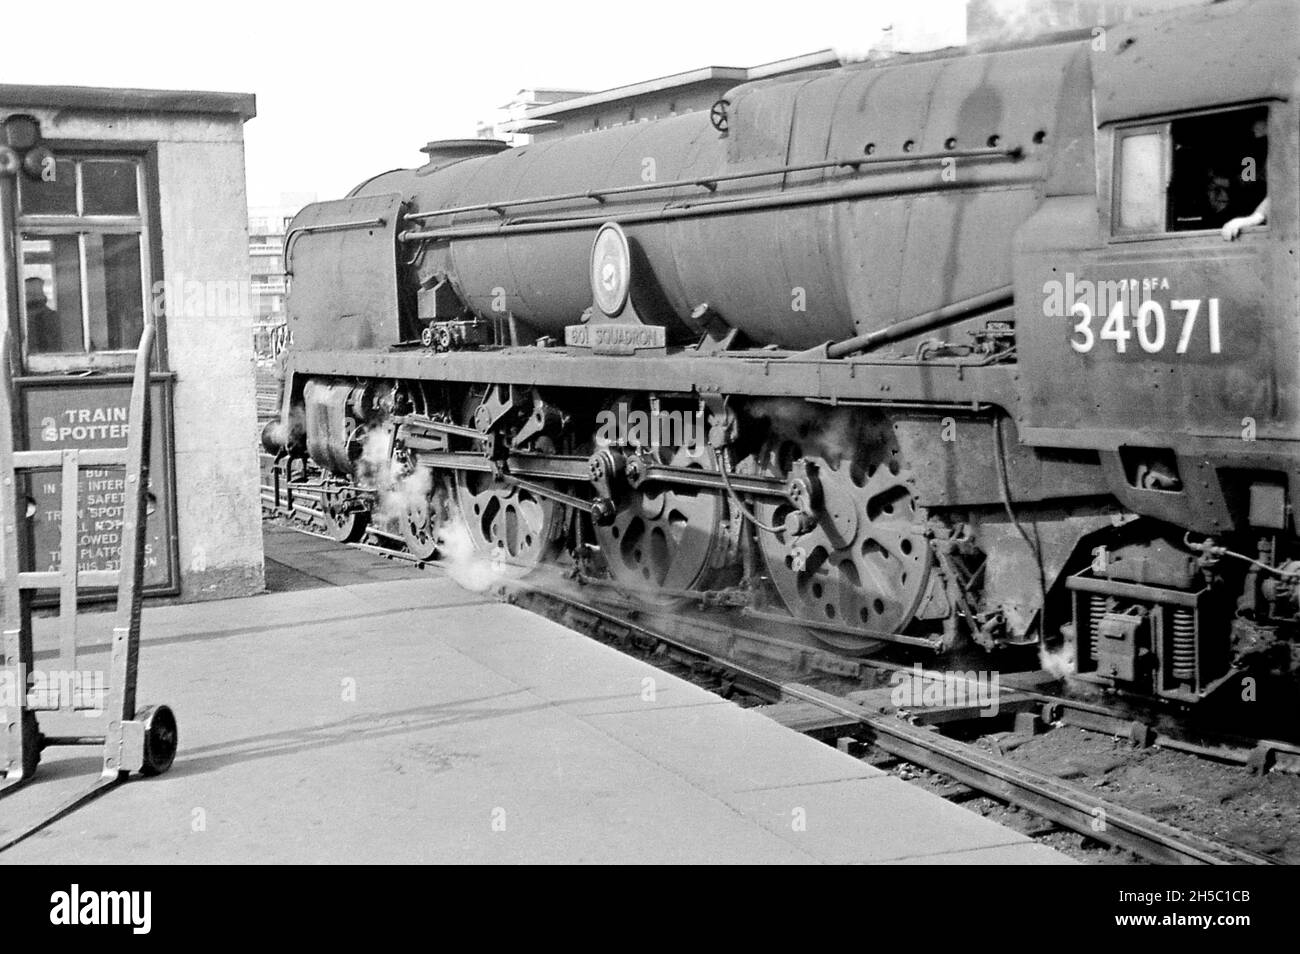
1191	174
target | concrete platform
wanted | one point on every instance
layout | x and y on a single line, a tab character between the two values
403	719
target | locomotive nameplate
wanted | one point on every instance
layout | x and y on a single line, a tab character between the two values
615	337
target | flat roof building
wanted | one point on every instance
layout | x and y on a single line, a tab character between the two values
658	98
139	214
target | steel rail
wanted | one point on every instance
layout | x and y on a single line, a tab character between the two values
1062	804
1052	799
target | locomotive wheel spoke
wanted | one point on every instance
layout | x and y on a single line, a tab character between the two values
865	562
667	537
506	523
341	522
424	520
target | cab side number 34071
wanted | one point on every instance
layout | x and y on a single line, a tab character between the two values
1150	326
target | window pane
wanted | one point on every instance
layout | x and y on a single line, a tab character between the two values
1141	187
52	282
58	197
116	295
108	188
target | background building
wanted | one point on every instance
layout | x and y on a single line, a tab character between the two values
502	125
641	102
266	230
998	20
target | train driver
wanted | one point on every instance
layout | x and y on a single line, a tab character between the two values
1253	185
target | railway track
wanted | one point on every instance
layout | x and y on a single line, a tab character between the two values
1058	802
758	664
762	645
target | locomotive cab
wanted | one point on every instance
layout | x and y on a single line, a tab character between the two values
1157	325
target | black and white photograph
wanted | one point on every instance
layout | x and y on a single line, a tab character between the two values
680	434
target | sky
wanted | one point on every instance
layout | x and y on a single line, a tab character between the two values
346	90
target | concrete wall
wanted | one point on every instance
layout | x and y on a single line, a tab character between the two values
207	323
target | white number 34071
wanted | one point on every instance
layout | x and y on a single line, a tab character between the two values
1150	326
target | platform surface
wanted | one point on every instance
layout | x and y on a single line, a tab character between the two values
403	719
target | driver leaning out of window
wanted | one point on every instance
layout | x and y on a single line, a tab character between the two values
1257	154
1232	228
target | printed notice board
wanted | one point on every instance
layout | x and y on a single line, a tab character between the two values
90	413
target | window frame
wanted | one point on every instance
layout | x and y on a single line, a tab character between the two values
1163	130
1164	126
143	224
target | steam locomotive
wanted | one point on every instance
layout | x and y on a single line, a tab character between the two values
951	350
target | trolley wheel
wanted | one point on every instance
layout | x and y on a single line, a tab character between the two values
160	739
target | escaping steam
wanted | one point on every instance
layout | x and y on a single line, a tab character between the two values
872	34
1059	662
1003	21
835	434
463	561
401	491
405	493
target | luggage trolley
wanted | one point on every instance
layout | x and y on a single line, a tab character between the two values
132	740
